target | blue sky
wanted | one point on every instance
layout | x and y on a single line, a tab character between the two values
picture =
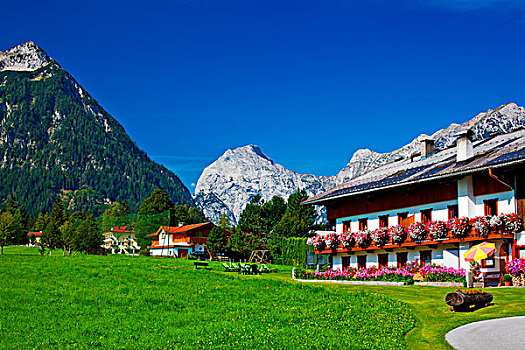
310	82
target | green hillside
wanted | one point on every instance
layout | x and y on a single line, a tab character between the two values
56	139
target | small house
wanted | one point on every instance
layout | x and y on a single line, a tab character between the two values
120	240
172	241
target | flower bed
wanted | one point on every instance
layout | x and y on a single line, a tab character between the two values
432	273
516	268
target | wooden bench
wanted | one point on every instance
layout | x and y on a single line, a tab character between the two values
198	265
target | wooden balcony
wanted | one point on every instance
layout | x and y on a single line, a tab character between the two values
472	236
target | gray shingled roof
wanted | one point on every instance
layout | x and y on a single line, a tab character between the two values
495	152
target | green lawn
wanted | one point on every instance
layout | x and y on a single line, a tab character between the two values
433	318
124	302
120	302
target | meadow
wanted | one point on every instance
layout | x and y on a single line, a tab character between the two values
118	302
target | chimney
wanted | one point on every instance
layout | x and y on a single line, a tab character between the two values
464	150
427	146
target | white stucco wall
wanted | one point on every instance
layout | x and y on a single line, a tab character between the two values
439	212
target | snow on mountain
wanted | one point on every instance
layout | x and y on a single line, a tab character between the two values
227	184
24	57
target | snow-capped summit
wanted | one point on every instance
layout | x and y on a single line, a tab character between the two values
24	57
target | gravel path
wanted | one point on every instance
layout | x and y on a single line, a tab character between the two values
500	334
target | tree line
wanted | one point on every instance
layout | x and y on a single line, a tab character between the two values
262	226
77	231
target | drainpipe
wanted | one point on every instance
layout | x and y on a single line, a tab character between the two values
501	181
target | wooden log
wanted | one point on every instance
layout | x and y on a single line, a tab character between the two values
459	301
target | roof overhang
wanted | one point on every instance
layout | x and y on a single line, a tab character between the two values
321	201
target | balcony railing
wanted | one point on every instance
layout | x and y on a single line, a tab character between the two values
472	235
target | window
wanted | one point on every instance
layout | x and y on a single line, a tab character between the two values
361	261
488	262
363	224
426	215
425	257
491	206
383	221
401	217
453	211
402	259
382	260
345	261
346	226
405	220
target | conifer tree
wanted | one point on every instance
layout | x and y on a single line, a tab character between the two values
298	219
88	237
217	241
7	229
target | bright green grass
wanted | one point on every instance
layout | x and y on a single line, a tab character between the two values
433	318
120	302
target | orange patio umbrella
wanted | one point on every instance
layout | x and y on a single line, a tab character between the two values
480	251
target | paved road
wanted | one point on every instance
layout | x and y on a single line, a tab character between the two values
501	334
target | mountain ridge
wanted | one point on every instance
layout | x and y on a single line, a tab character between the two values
55	139
215	196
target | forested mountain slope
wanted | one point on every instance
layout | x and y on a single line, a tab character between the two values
56	139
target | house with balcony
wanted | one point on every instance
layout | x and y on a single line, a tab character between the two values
483	178
120	240
178	242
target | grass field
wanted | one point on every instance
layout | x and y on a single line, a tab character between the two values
123	302
120	302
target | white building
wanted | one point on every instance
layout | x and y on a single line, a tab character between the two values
472	179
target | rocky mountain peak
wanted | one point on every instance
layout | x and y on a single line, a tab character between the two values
226	185
24	57
249	153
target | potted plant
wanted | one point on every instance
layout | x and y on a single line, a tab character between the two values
460	227
511	222
380	236
317	242
417	231
363	238
437	229
332	241
398	234
347	239
507	280
482	225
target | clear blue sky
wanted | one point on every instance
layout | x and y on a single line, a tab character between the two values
310	82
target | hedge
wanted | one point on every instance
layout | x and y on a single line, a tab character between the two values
291	251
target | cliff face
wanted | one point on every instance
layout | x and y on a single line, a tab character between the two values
227	184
